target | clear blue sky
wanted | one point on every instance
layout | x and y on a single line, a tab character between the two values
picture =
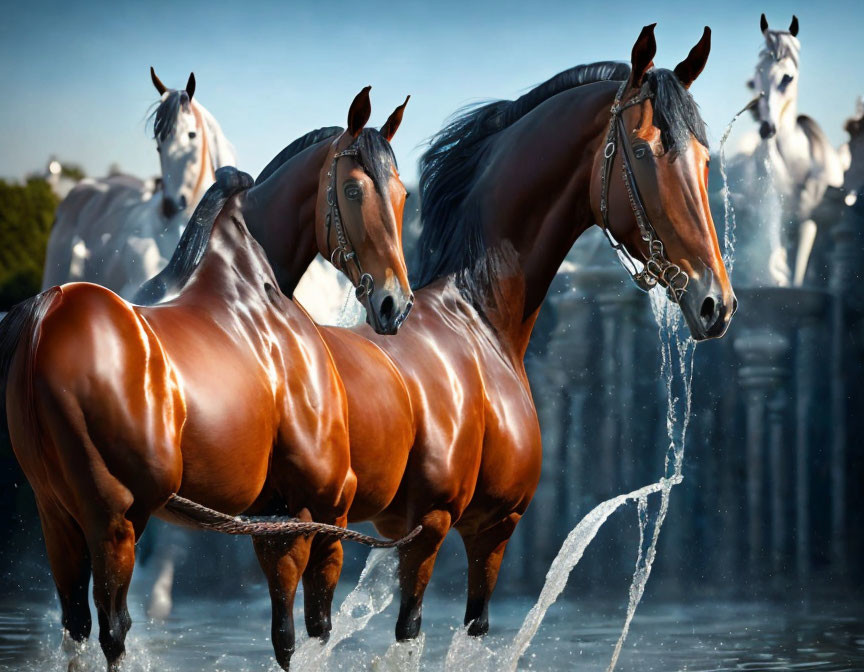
74	77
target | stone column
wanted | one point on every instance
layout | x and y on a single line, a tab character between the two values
761	350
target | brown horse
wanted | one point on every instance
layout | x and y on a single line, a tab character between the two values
507	189
225	394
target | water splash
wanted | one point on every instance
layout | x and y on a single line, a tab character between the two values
469	654
729	222
372	595
401	656
676	370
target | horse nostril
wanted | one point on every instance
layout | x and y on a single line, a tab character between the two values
387	306
766	130
707	311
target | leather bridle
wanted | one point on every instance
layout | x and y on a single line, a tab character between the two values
657	267
344	252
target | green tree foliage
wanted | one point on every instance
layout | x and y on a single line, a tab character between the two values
26	215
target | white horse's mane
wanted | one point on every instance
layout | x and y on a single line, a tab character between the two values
780	44
222	152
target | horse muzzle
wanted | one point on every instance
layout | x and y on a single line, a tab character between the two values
706	311
386	311
767	130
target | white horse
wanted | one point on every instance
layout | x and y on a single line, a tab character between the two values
119	231
798	157
853	183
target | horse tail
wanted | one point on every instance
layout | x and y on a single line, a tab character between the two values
23	324
200	516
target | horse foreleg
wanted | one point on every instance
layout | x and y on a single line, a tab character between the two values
806	238
319	584
416	562
112	549
485	551
283	561
70	566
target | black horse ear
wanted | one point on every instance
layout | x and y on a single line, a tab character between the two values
359	112
190	85
388	130
688	69
160	87
642	56
793	27
763	23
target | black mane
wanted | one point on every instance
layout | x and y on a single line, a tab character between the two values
165	116
300	144
375	154
452	238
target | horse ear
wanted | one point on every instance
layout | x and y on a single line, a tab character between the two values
688	69
388	130
359	112
190	85
160	87
763	23
642	56
793	27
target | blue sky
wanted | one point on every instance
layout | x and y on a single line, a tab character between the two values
75	82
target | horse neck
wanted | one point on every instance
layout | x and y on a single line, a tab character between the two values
535	202
233	267
220	150
280	214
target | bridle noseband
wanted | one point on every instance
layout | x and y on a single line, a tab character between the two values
344	252
657	267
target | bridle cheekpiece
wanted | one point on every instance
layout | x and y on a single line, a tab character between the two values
657	267
344	253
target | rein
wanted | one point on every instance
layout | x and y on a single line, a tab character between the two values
657	267
344	251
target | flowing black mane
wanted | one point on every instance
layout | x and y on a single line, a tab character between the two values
374	153
300	144
452	237
165	116
195	239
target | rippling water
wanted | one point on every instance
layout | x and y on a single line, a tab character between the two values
232	636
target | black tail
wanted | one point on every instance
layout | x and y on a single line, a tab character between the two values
198	515
22	322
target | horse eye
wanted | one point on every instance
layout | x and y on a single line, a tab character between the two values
353	191
192	134
641	151
751	84
158	149
786	81
407	194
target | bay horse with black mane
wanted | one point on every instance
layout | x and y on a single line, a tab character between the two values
224	394
507	189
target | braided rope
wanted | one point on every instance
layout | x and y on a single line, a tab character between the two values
269	526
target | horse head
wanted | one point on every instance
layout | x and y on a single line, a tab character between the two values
776	78
358	220
190	145
657	180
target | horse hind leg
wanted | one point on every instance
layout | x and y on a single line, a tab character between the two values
112	549
70	566
485	550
